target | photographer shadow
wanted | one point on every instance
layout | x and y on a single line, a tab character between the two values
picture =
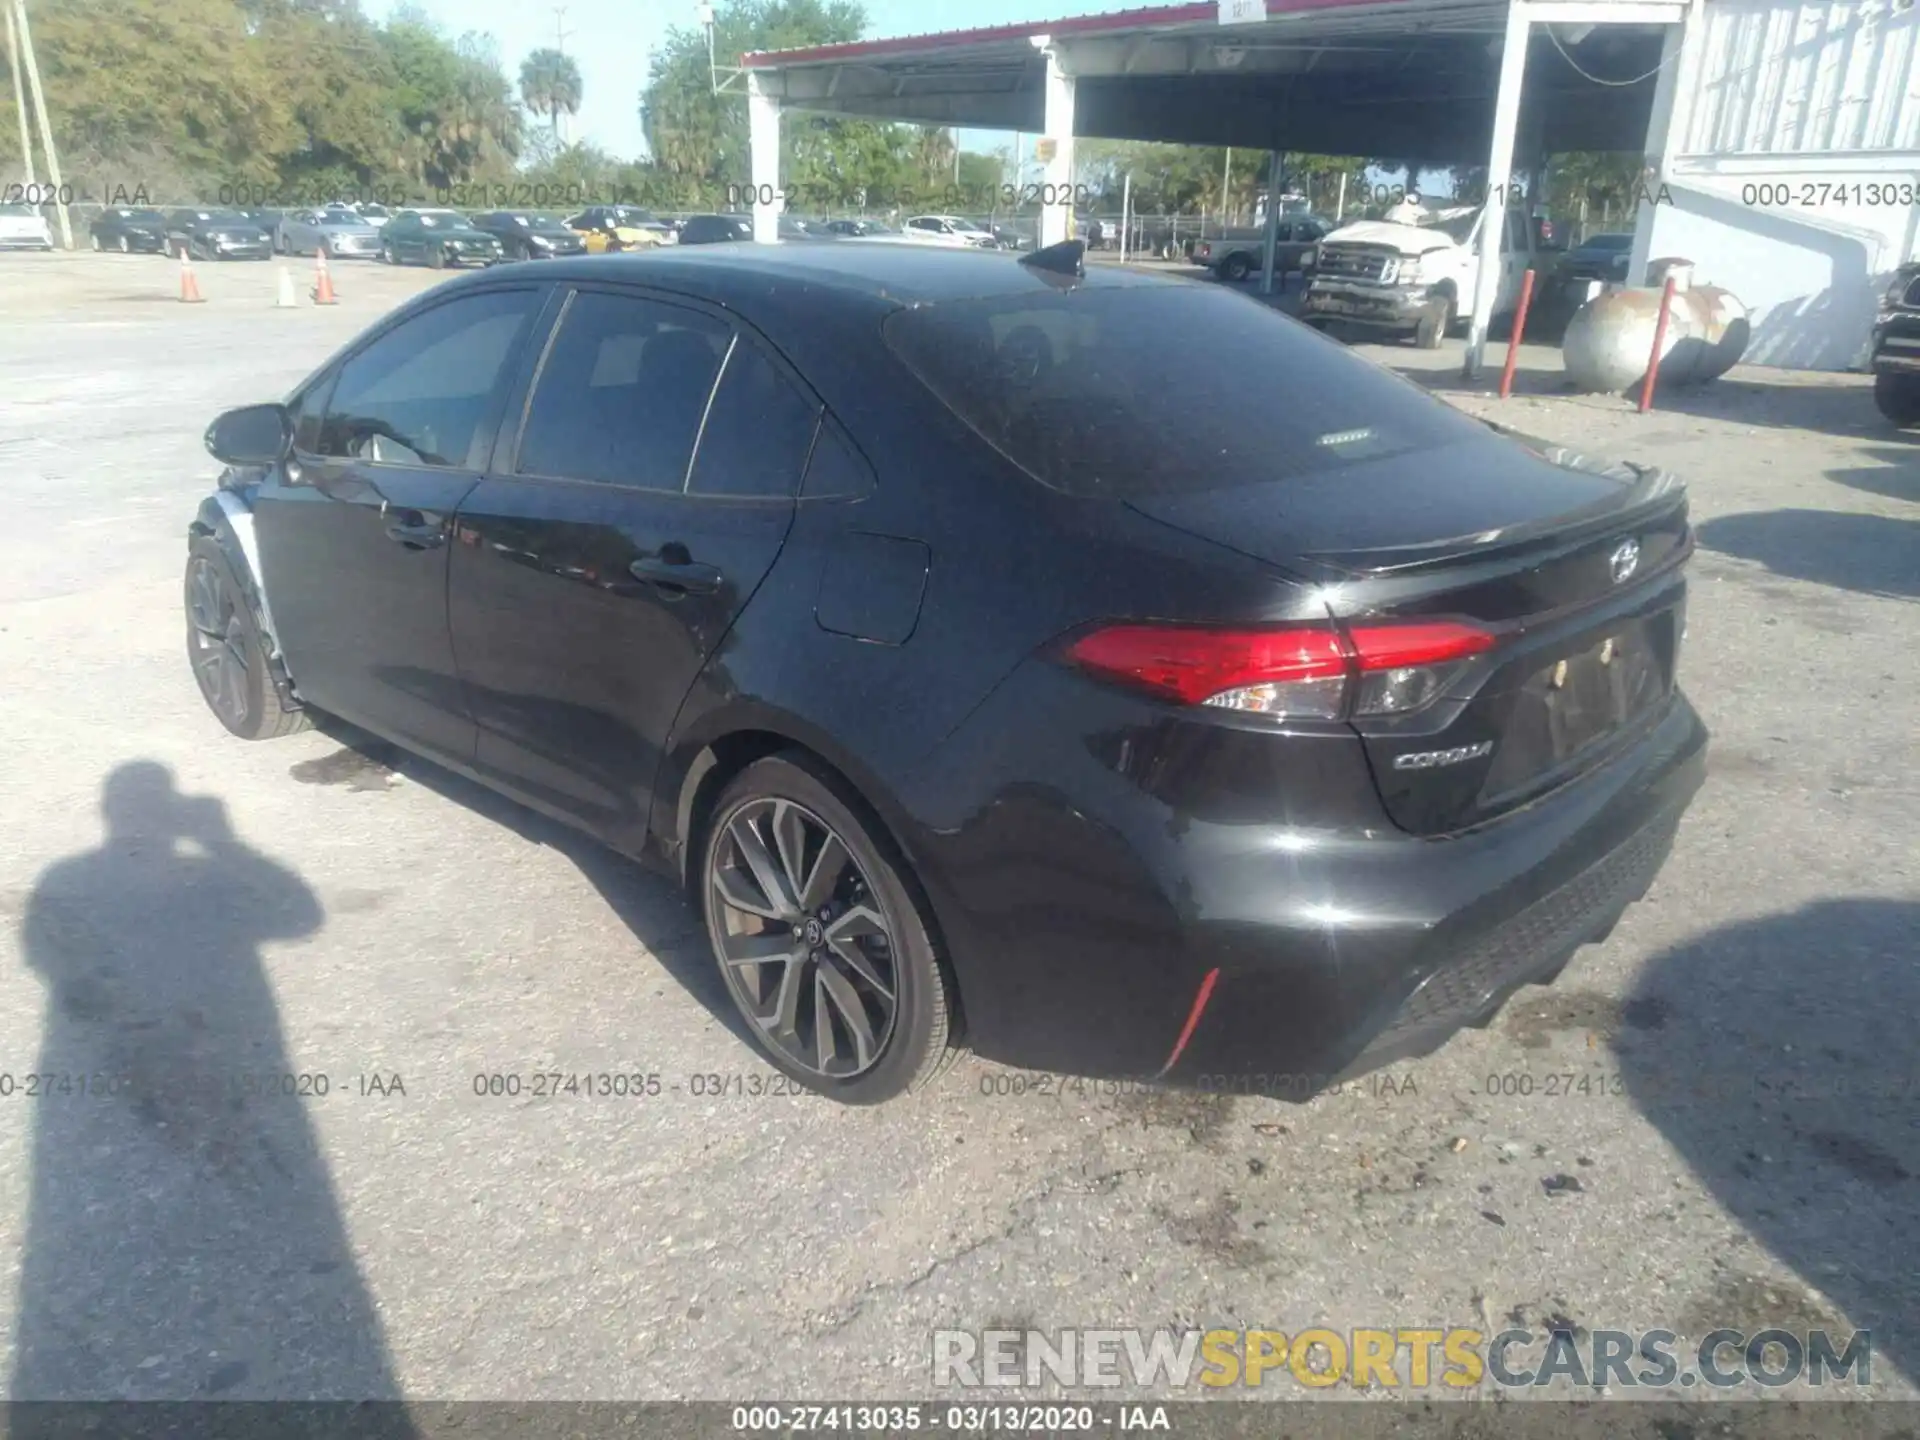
1782	1069
183	1239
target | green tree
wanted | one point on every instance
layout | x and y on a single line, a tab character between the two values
550	85
699	138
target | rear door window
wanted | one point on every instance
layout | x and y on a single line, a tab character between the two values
622	393
757	431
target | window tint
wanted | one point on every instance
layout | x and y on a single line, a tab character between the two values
622	393
836	471
1121	392
416	396
757	432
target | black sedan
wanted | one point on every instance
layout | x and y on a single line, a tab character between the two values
129	228
526	236
981	672
715	229
1599	257
438	238
217	235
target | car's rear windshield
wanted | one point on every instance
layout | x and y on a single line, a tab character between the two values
1143	391
1607	242
17	210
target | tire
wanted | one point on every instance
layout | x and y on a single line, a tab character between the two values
1898	397
871	901
1434	324
520	251
436	257
126	246
225	651
1236	267
96	244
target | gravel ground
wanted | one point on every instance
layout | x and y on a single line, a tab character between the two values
328	915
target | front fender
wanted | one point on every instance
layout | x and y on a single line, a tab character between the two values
226	516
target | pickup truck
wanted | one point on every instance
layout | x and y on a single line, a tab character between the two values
1239	253
1416	276
1896	349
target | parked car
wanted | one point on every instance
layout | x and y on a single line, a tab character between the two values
948	230
735	579
608	229
1238	253
854	227
1598	257
22	227
338	232
1895	349
1416	275
129	228
526	235
715	229
217	235
438	238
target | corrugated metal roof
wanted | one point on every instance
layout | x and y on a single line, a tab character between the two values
1118	22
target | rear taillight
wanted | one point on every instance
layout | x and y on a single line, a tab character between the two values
1310	672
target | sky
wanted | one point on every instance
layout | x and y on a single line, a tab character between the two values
612	40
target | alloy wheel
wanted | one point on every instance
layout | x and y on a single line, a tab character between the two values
803	941
219	643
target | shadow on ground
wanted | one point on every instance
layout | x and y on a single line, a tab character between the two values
649	903
183	1239
1894	470
1781	1065
1874	554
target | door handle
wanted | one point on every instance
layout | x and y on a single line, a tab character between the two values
424	536
676	576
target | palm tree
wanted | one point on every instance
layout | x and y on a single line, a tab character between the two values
550	84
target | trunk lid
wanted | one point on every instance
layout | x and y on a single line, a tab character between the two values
1573	564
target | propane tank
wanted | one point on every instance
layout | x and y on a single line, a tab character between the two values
1610	338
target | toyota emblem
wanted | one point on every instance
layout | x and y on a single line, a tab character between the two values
1624	561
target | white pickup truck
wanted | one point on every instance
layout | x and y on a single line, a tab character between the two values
1415	273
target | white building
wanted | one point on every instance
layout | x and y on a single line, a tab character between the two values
1789	148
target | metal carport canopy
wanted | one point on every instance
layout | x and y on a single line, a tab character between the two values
1411	79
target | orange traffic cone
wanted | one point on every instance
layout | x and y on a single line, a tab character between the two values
322	282
189	287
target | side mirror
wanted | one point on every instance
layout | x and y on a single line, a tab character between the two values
253	435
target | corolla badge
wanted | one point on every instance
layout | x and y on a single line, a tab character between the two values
1624	561
1429	759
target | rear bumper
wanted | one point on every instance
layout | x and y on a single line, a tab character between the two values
25	242
1393	307
1896	344
1113	935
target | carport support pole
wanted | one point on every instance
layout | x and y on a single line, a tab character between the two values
1493	223
763	154
1056	194
1272	235
46	127
20	96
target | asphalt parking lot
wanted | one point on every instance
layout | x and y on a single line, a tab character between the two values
1712	1120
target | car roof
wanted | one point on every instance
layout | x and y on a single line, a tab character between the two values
754	279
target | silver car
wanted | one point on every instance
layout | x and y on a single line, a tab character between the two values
339	232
